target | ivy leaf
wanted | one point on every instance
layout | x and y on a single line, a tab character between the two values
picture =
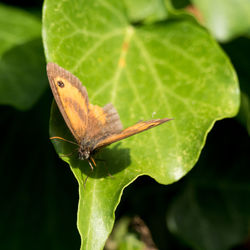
22	62
226	19
238	51
145	11
170	69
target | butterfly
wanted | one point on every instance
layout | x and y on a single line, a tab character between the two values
92	126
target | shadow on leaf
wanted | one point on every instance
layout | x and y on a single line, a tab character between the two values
109	161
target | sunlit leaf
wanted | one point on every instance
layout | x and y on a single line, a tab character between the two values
170	69
226	19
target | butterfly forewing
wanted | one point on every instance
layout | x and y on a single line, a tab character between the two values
71	98
132	130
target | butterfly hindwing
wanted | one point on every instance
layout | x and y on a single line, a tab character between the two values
102	122
71	98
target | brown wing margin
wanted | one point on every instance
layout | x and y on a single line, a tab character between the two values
135	129
72	99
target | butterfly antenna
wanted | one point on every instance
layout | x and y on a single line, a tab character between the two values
60	138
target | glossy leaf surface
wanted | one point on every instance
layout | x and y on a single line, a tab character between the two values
170	69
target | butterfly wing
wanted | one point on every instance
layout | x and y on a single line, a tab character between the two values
71	98
135	129
102	122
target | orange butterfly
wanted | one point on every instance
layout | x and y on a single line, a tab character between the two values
93	127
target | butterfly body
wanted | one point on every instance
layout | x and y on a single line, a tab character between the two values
84	151
93	127
86	148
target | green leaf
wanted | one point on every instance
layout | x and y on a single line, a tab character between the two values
168	69
244	112
226	19
214	202
124	238
238	51
22	63
145	10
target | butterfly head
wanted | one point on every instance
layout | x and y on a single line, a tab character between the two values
85	149
84	153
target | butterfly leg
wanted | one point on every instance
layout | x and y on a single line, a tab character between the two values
92	168
84	184
93	161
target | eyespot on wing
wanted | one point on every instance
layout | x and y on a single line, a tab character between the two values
71	98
